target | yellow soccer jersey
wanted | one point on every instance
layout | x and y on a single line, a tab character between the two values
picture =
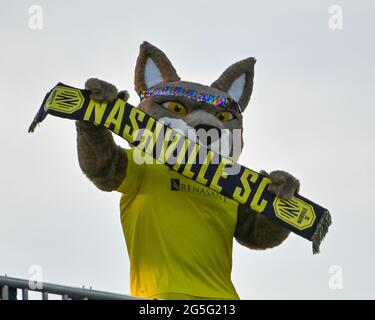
179	234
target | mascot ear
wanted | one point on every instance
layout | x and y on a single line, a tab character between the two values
152	67
237	81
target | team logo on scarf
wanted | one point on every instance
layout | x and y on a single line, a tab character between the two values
64	99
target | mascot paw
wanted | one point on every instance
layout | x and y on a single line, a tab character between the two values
101	90
124	95
283	184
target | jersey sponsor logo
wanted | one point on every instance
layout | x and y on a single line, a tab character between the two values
177	185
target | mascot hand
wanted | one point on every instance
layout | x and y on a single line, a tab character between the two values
283	184
101	91
104	91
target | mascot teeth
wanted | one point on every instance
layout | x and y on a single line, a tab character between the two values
222	145
177	124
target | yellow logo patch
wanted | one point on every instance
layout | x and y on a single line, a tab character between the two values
295	212
66	100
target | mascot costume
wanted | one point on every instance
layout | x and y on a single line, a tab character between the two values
179	233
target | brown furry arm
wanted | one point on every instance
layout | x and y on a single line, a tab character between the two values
255	231
102	161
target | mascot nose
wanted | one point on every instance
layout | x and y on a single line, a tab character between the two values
211	133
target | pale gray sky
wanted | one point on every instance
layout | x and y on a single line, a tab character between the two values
312	114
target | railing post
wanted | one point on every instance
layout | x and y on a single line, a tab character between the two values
12	293
25	294
5	292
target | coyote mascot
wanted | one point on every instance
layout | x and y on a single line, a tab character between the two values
179	234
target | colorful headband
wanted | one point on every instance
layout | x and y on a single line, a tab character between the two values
217	101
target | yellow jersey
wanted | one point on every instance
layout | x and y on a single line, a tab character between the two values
178	233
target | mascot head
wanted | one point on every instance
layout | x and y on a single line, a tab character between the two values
210	114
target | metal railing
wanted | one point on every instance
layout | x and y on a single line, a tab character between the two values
9	288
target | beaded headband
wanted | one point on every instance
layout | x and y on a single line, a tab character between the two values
217	101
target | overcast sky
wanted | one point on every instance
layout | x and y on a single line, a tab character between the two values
311	113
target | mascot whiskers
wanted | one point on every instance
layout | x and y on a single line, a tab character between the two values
179	234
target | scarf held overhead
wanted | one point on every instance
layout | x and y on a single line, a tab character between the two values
247	187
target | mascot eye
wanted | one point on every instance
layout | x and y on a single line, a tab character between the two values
175	107
224	116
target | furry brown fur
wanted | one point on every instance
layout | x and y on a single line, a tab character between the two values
254	230
104	163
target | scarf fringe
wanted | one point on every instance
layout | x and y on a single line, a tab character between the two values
33	125
39	117
321	231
